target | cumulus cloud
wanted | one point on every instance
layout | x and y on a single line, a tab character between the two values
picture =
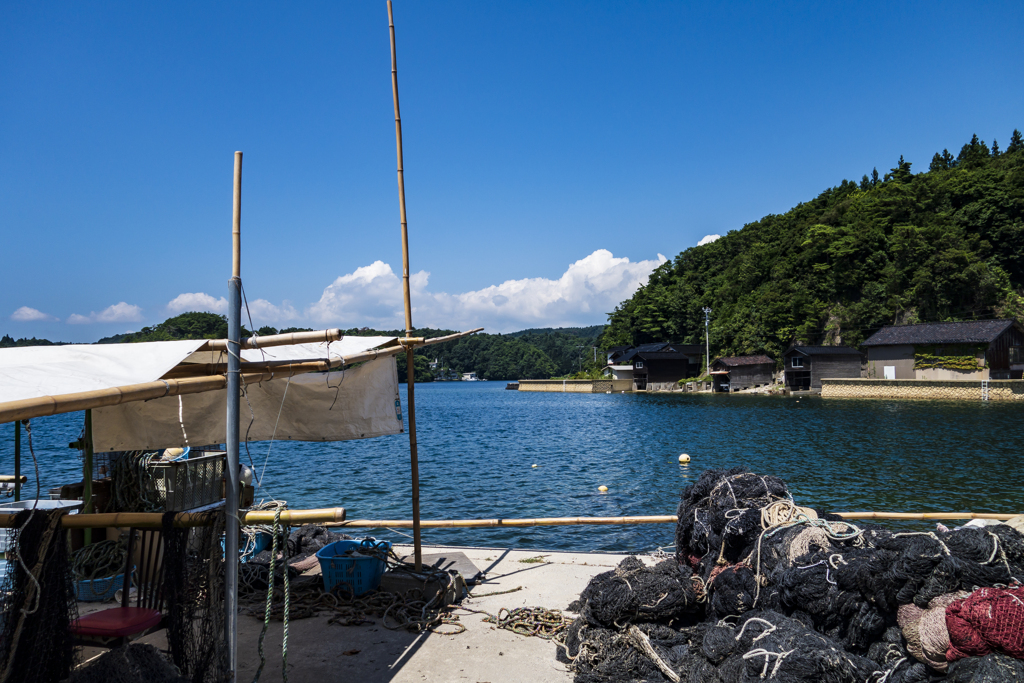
585	292
262	311
27	315
707	239
196	301
118	313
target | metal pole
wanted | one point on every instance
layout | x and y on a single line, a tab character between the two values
410	366
17	460
707	341
234	390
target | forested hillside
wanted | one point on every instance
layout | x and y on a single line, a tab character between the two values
947	244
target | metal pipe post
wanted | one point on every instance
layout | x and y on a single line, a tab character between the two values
17	460
234	388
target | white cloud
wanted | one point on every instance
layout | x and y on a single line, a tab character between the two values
586	291
262	311
196	301
707	239
118	313
26	314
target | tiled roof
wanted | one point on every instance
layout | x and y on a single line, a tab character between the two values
745	360
970	332
824	351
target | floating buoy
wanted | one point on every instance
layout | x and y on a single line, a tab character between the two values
683	459
602	488
533	465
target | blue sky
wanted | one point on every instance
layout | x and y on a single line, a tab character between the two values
554	152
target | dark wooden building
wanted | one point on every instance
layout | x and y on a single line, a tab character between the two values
805	366
658	367
942	351
742	372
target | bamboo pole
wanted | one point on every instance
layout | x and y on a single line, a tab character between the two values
336	517
154	520
13	479
87	473
409	360
18	479
315	337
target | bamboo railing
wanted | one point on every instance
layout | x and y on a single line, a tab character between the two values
336	517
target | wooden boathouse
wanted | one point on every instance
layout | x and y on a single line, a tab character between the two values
737	373
805	366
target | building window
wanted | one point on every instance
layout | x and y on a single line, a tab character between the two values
797	362
639	364
1017	354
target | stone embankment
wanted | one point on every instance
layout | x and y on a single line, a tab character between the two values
948	390
577	386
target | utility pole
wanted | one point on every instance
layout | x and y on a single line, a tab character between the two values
707	341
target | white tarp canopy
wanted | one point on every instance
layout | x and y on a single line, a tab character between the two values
356	403
36	371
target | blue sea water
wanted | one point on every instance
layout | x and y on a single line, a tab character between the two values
478	442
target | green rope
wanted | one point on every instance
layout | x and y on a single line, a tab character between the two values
270	601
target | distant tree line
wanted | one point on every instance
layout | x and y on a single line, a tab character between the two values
947	244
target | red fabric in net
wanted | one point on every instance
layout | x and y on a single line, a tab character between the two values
991	619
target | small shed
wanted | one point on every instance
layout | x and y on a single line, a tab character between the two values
619	371
805	366
973	349
742	372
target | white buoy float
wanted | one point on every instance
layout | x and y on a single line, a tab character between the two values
533	465
602	488
683	459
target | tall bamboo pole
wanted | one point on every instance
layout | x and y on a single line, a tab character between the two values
409	364
231	439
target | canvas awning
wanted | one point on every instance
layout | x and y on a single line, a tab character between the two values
29	372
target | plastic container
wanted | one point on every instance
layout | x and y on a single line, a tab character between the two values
98	590
361	574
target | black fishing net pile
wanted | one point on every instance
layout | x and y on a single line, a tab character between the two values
194	598
801	599
37	606
135	663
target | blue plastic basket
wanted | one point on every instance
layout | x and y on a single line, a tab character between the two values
360	574
98	590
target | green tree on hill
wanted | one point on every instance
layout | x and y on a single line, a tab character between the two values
943	245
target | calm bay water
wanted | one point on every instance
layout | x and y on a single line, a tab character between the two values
478	442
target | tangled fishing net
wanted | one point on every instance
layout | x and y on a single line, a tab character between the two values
764	589
134	663
37	601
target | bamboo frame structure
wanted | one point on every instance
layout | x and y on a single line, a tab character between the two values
147	391
13	479
154	520
409	360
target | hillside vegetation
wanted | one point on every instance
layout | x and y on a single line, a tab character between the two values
947	244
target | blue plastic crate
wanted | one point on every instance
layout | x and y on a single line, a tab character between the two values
98	590
361	574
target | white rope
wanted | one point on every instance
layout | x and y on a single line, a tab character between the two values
181	419
767	654
259	482
763	633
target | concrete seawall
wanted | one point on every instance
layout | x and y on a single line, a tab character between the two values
577	386
949	390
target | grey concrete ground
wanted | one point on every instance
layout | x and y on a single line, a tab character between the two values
319	652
